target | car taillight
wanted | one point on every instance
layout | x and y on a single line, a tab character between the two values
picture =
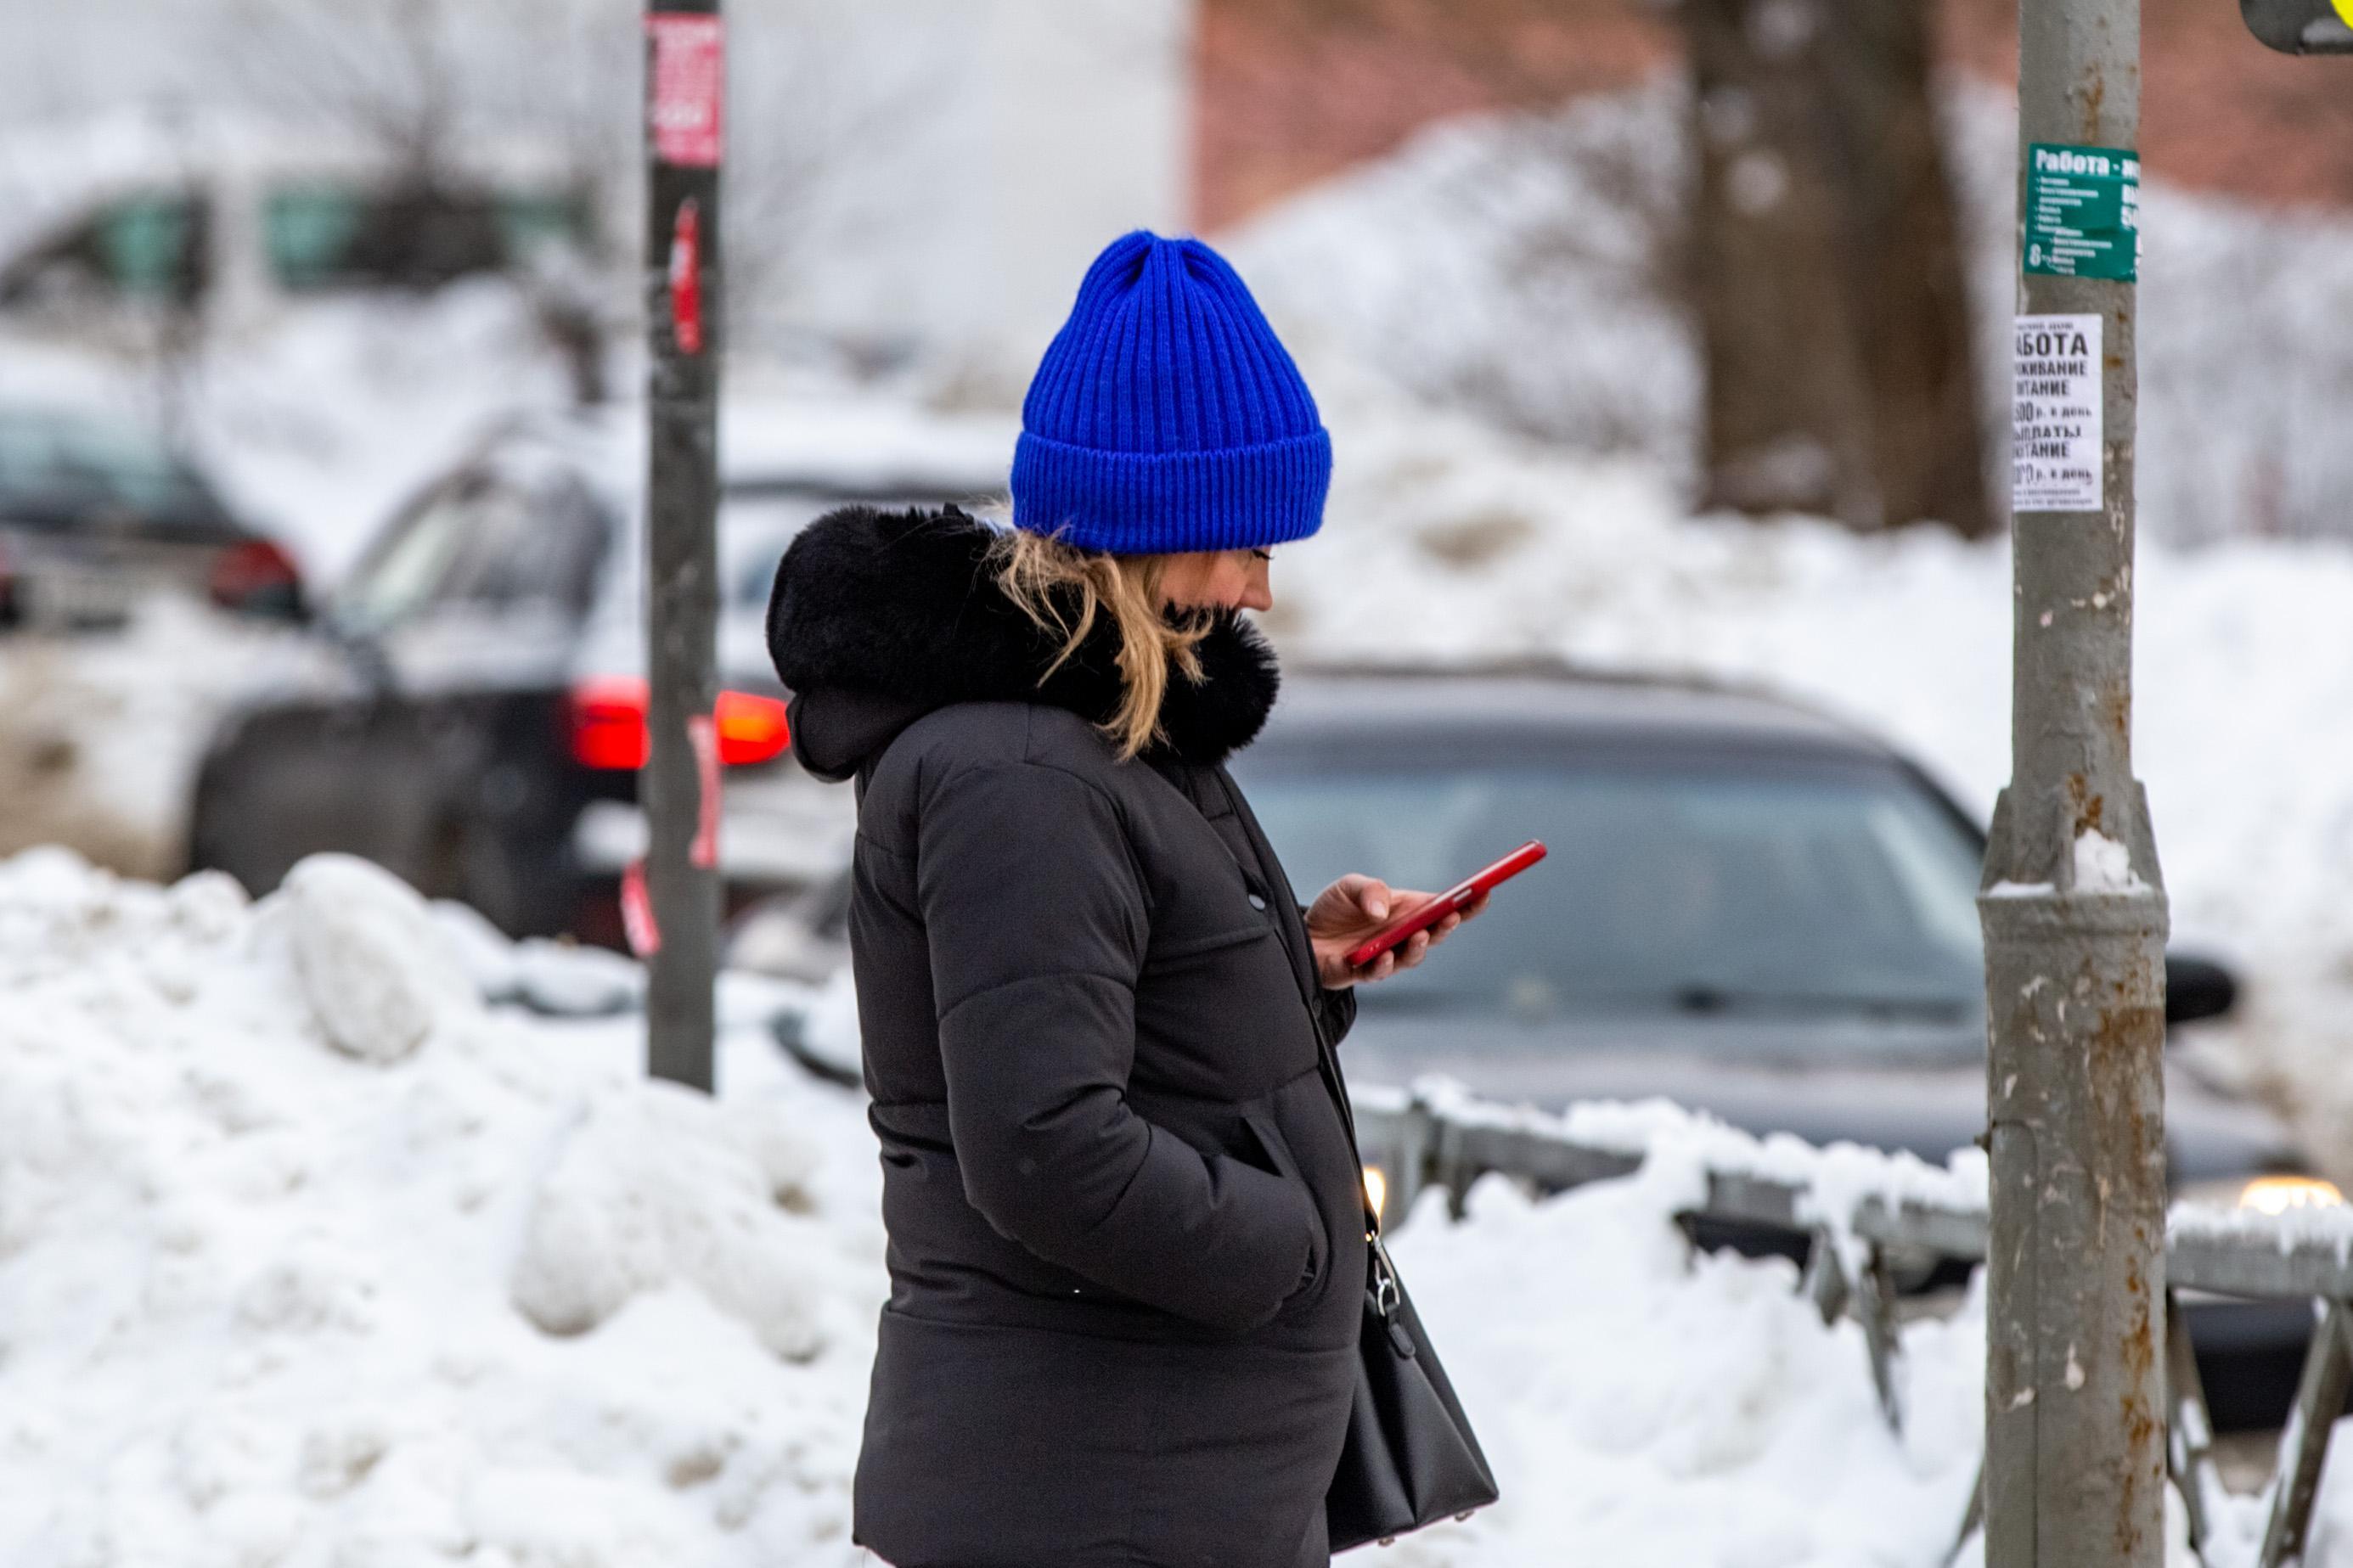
608	725
257	577
751	729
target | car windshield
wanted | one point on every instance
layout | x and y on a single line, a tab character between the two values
1673	885
55	466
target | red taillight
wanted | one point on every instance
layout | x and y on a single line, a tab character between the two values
608	725
257	576
751	729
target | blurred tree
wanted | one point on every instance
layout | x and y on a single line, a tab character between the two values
1813	244
1826	269
442	88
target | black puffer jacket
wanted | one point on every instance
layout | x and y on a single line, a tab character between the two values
1126	1237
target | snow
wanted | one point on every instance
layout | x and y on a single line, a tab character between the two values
2104	866
1451	542
620	1214
99	735
337	1260
377	973
2297	1227
339	1229
1643	1407
1834	1182
1524	267
267	1301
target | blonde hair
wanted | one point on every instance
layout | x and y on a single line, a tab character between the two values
1062	588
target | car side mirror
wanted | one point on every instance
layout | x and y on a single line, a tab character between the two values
2197	988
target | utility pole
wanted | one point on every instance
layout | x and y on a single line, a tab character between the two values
2073	904
674	901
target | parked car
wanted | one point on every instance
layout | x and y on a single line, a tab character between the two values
469	709
96	513
234	218
1748	909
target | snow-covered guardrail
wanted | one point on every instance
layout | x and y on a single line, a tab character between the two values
1869	1215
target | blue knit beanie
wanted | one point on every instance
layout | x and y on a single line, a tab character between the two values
1166	417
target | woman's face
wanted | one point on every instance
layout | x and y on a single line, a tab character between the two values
1218	580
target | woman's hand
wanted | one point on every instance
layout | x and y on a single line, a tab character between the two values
1357	907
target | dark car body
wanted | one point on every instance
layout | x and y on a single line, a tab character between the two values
1717	878
1900	1073
435	719
96	513
1668	763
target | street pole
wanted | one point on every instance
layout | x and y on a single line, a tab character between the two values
677	902
2072	905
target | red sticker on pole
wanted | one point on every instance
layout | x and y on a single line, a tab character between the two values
686	278
688	72
637	925
704	734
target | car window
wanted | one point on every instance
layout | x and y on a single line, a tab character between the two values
62	466
1669	887
526	550
149	246
322	234
406	568
481	545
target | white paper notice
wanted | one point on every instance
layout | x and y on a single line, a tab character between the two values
2054	442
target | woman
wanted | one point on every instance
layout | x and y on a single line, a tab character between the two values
1126	1239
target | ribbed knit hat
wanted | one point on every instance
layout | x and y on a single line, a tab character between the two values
1165	416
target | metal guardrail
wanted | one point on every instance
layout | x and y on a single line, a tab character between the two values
1862	1211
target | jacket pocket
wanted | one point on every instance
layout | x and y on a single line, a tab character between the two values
1259	1123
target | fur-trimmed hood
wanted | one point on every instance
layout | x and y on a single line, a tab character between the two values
878	618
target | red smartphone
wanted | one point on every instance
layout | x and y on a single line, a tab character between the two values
1447	902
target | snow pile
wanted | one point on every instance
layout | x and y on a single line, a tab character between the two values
1644	1407
305	1256
1524	266
378	973
267	1301
655	1186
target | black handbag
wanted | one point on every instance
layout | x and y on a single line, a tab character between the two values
1410	1457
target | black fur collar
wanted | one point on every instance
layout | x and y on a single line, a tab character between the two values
878	618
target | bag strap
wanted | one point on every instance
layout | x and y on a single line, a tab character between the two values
1328	1060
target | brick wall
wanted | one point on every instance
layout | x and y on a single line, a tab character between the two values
1294	90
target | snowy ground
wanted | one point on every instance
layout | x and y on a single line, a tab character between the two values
307	1257
99	736
310	1255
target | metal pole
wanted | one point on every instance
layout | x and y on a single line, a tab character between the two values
2072	905
685	74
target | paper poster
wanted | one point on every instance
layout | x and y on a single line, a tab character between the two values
688	72
2055	435
2082	212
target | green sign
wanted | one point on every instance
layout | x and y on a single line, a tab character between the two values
2082	212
